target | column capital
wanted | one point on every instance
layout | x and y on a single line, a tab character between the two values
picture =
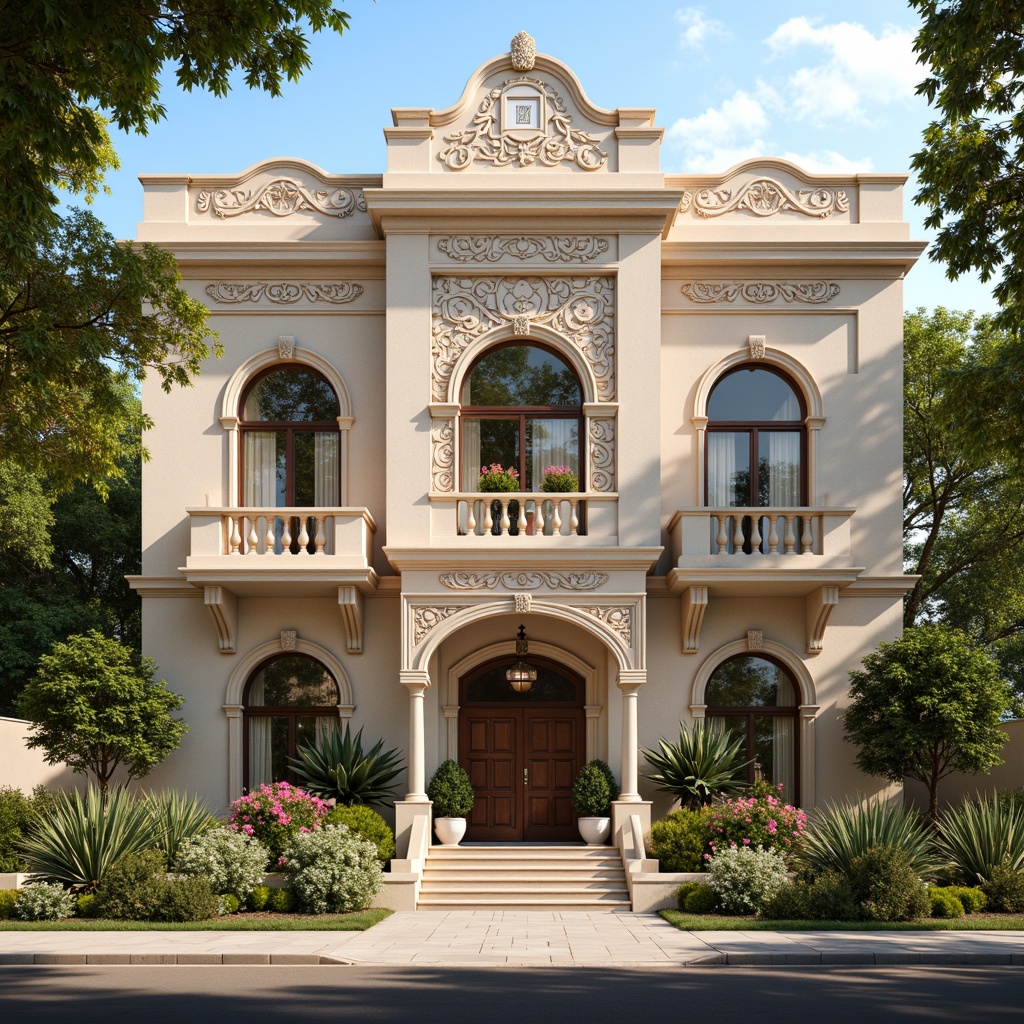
415	680
631	678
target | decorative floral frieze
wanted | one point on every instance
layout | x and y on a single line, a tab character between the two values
523	51
763	198
620	620
761	292
552	248
442	449
527	580
281	197
579	308
555	141
425	619
285	292
602	455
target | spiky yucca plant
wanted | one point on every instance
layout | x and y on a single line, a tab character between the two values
840	833
706	762
339	769
981	835
175	818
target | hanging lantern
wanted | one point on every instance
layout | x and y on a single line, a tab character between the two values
521	676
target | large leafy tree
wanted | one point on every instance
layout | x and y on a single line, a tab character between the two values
925	706
94	707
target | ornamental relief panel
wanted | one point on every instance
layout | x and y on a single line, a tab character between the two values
426	619
529	580
284	292
281	197
442	452
602	455
764	197
760	292
620	620
551	248
581	309
522	122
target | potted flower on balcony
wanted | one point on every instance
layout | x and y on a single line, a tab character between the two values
494	478
593	791
560	480
453	798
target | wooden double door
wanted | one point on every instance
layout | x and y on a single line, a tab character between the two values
521	762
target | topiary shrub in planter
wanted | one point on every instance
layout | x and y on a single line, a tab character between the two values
680	840
746	878
452	795
229	861
593	791
44	901
886	886
368	824
134	888
333	871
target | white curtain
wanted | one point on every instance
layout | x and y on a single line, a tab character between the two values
327	470
260	460
721	469
783	454
470	454
783	740
553	443
260	767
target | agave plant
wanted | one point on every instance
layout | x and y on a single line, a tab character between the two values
82	836
706	762
981	835
840	833
339	769
176	817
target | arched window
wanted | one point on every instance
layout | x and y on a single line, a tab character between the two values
290	442
755	699
521	408
290	699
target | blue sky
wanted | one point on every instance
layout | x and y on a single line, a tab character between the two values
827	85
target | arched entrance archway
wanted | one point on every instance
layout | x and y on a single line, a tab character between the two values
522	751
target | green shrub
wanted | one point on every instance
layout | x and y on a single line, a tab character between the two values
830	898
979	835
973	900
227	904
886	886
760	819
230	861
705	762
259	898
87	905
366	822
790	903
451	791
333	871
945	903
593	790
337	769
44	901
16	817
8	898
746	878
176	817
133	889
703	900
187	899
281	901
683	891
680	840
1004	889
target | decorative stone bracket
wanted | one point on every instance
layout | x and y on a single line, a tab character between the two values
694	603
820	604
223	608
350	604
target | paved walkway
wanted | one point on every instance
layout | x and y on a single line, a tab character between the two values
520	938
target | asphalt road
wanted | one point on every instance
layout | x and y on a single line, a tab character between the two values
509	995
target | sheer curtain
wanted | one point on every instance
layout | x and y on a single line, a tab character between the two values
783	740
260	765
553	443
326	469
260	459
783	456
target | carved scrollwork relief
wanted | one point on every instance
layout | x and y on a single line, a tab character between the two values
813	292
285	292
618	619
281	197
763	198
442	435
581	309
551	248
425	619
554	141
602	455
523	580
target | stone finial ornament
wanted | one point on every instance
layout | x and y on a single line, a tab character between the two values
524	52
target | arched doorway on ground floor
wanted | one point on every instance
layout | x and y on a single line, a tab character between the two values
522	751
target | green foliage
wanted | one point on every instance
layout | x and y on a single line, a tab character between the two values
177	817
759	820
594	789
451	791
926	705
494	478
259	897
82	836
366	823
1004	889
134	888
680	840
8	899
886	886
683	891
338	769
945	903
93	708
972	899
979	835
44	901
746	879
188	899
229	861
702	900
227	904
87	905
17	815
333	871
706	762
281	901
840	833
826	896
559	480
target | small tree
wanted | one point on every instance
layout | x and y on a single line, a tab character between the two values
925	706
93	708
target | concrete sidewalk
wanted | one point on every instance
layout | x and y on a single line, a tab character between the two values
515	938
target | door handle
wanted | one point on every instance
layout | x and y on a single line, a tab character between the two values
526	776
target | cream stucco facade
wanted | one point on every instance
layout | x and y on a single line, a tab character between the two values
523	215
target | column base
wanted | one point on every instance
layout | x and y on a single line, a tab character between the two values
406	813
621	812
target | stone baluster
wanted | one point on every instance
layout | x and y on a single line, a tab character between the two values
556	516
470	517
321	534
234	537
574	520
807	538
286	534
252	541
790	540
721	536
539	521
773	534
737	536
755	534
488	517
506	523
268	543
303	535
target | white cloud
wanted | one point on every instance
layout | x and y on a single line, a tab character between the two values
724	135
828	161
697	29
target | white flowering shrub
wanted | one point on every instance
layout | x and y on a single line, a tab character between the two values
333	870
231	862
746	878
44	901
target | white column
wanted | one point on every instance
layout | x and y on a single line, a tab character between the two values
629	683
416	682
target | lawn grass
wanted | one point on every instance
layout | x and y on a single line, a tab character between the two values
721	923
356	922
